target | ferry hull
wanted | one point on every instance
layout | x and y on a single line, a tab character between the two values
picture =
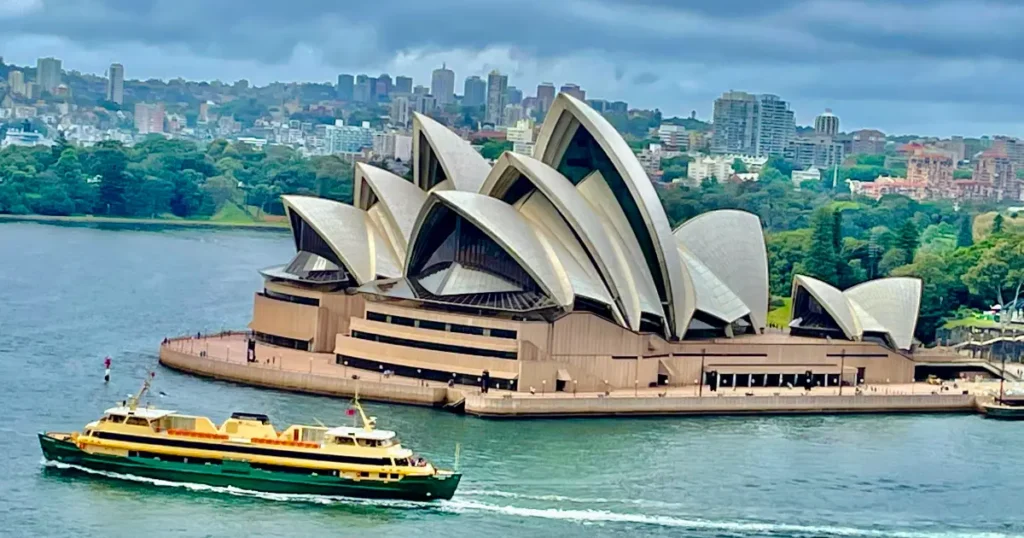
1003	412
239	475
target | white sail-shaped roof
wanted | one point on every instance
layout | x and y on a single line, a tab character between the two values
888	306
661	257
584	222
731	245
510	230
894	302
398	200
350	234
462	165
580	221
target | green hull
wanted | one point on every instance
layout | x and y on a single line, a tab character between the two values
240	475
1004	412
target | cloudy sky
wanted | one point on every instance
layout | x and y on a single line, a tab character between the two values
933	67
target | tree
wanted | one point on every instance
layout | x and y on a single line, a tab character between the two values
492	149
54	200
907	240
738	166
965	234
109	161
941	291
999	268
997	224
820	261
893	258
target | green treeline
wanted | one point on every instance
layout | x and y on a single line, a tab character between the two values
163	178
822	232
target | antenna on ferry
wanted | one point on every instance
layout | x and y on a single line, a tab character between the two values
368	423
133	402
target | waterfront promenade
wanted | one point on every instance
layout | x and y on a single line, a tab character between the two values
223	357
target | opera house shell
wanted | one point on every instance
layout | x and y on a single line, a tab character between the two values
543	271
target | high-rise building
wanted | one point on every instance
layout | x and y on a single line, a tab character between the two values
403	84
618	106
868	142
365	90
574	90
674	137
474	92
341	138
545	95
775	127
931	168
16	81
599	105
996	173
383	86
48	73
400	111
735	119
420	90
442	85
513	95
424	103
115	84
346	86
1012	147
149	118
818	151
497	88
826	124
512	114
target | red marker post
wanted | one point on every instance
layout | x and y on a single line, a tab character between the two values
106	368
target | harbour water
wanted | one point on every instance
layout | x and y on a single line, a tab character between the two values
71	295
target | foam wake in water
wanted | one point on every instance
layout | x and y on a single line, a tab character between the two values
564	499
758	528
460	505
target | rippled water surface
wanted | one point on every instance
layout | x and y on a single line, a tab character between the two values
71	295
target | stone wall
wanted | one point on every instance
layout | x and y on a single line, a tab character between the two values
301	382
729	405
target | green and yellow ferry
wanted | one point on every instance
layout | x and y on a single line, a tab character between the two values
247	452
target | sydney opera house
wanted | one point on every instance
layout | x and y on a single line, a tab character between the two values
560	272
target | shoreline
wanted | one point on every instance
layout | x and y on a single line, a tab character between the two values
154	222
318	373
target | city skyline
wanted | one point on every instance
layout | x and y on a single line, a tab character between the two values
892	74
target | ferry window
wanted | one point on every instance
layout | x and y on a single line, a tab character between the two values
394	475
365	442
116	419
137	421
404	462
376	316
383	475
364	475
344	441
386	442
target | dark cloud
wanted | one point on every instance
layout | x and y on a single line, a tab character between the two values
645	79
650	51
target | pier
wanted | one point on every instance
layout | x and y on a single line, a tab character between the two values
225	357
